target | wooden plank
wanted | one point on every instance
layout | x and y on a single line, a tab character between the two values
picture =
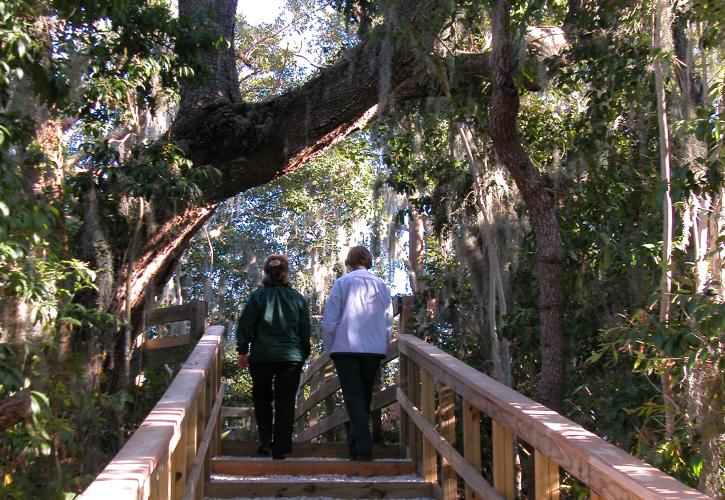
197	319
447	419
603	467
404	427
310	488
178	461
314	367
267	467
427	405
329	450
413	393
191	484
191	438
503	460
169	314
327	389
380	400
130	472
470	474
472	442
164	342
546	478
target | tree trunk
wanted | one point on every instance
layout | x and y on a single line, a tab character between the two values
14	409
659	14
503	112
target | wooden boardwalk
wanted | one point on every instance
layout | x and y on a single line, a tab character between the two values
178	451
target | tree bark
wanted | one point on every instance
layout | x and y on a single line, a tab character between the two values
502	116
659	14
14	409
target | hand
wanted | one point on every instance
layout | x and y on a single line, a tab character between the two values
242	361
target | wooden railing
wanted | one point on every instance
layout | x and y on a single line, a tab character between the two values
323	385
171	450
429	375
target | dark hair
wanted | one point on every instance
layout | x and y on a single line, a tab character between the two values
359	256
276	270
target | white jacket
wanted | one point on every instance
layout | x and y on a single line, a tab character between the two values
358	315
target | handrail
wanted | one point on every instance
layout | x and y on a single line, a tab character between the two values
158	457
382	397
607	470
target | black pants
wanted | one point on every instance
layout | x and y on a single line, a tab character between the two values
276	382
357	378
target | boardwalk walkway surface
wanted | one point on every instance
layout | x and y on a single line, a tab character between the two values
178	451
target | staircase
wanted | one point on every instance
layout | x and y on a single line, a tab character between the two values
313	470
182	450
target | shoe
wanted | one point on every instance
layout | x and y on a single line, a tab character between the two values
264	449
364	458
277	456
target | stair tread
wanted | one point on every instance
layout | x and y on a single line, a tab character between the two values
311	466
322	478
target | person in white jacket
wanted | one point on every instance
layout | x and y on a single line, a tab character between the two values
356	330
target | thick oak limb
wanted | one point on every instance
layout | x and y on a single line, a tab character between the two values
14	409
158	257
503	112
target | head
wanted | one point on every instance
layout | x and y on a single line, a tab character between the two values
276	270
359	256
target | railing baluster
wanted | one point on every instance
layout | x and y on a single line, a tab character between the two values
447	415
471	440
415	435
329	374
190	436
546	477
427	406
503	460
404	425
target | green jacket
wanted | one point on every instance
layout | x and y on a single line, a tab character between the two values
276	320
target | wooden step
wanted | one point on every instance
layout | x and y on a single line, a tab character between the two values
249	449
252	466
388	487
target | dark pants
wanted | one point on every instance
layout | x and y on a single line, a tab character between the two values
275	381
357	378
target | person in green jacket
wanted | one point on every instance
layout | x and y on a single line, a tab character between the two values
276	321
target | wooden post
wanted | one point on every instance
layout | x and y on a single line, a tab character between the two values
406	315
196	321
503	460
329	371
377	415
216	381
178	472
546	477
471	441
190	436
312	413
208	403
447	416
413	395
403	383
427	406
